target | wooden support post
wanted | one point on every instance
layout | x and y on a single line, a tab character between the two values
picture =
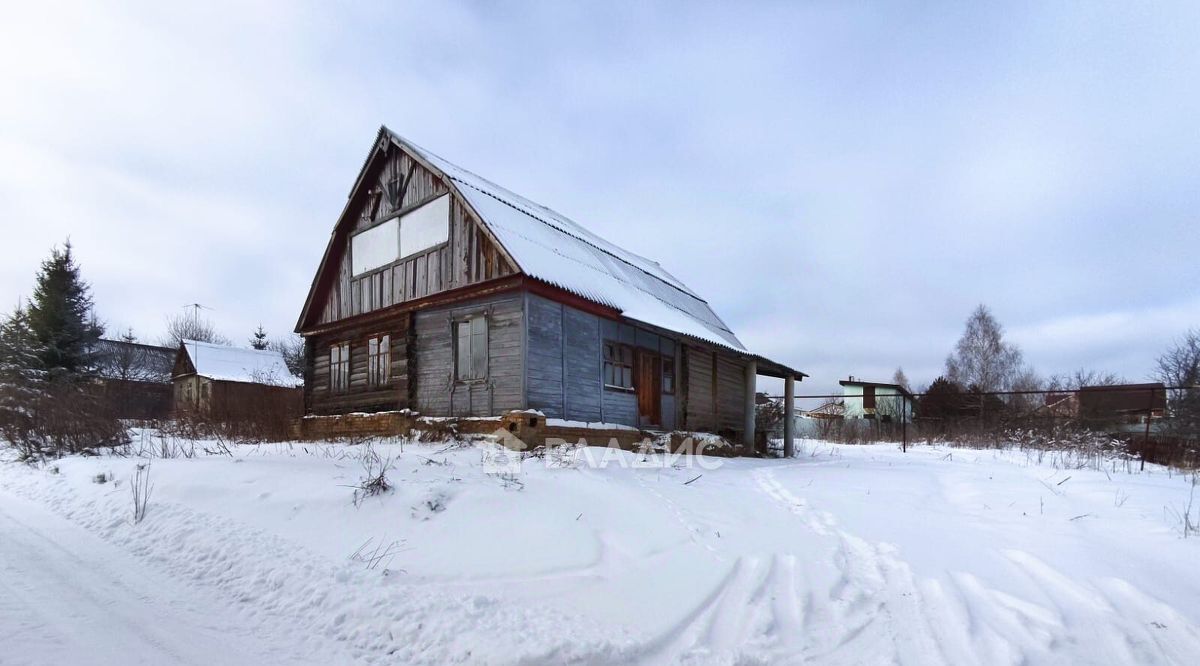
751	387
789	418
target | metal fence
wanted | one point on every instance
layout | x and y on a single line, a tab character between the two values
1150	422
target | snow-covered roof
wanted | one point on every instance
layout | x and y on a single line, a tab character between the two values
233	364
553	248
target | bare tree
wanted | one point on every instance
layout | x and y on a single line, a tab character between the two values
1180	366
1070	381
982	359
901	379
184	327
292	348
130	361
1026	379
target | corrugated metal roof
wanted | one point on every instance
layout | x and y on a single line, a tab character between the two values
233	364
551	247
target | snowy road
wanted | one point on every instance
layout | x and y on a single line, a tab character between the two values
67	597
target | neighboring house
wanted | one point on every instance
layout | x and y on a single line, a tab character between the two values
1122	404
876	400
833	410
445	293
135	378
221	380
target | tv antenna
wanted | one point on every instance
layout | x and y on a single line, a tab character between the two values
196	308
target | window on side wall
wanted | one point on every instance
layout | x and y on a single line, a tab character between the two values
470	348
618	365
379	360
668	375
339	367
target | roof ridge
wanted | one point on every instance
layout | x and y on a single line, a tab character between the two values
233	348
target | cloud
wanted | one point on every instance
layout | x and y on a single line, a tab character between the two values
843	184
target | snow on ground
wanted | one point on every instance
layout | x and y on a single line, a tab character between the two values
845	554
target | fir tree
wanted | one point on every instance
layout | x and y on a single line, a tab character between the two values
22	384
259	341
60	315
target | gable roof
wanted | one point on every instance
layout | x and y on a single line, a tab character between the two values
555	249
232	364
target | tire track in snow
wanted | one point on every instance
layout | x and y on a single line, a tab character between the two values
871	607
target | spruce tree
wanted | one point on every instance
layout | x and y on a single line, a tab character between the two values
259	341
22	385
61	316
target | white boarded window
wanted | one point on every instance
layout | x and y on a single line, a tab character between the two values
425	227
470	349
375	247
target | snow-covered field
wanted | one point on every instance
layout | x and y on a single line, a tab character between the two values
845	554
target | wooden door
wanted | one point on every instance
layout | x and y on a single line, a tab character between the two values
649	388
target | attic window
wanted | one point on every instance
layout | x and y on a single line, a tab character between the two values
425	227
420	229
375	247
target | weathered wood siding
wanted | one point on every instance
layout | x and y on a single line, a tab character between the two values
436	391
563	370
731	393
713	390
582	364
544	357
361	397
467	258
701	412
565	365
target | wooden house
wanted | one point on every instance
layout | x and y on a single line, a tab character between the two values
223	381
442	292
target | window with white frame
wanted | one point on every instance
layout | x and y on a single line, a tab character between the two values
379	360
470	348
339	367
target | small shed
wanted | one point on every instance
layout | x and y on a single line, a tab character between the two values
219	380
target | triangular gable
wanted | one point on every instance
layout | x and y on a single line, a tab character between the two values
183	364
392	178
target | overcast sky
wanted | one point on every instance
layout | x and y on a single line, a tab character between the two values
843	185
